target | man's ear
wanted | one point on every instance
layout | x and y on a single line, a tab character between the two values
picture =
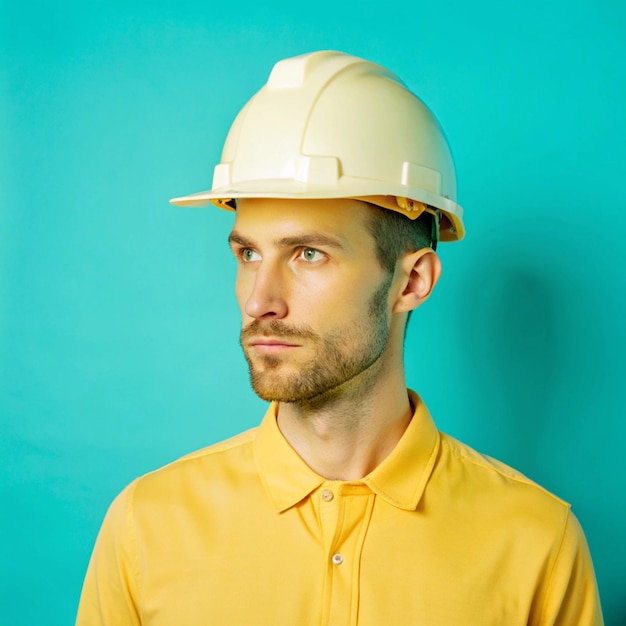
419	272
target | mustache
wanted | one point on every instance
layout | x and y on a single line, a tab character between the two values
275	328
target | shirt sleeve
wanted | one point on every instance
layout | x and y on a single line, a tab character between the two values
110	590
571	595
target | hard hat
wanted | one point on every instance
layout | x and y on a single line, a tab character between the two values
330	125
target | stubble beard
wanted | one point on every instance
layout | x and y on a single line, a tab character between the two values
340	358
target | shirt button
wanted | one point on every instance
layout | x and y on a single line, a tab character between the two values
337	559
327	495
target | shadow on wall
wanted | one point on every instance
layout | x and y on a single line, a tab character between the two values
542	338
530	336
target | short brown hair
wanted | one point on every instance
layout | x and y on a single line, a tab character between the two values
395	234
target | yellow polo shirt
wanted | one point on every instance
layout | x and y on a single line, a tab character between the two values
245	533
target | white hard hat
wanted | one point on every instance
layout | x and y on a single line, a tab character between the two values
329	125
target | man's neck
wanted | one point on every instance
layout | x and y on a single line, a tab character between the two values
347	434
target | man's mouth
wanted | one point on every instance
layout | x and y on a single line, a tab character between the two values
271	344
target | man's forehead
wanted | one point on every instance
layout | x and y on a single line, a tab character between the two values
338	223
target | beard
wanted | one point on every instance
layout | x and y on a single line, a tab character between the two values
339	357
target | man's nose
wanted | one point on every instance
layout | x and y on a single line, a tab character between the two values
268	296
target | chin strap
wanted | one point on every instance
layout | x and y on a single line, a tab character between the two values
434	235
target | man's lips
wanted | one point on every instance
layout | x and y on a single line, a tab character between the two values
271	344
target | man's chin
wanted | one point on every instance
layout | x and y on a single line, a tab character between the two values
290	388
274	391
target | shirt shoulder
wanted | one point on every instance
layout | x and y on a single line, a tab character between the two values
482	473
218	463
504	513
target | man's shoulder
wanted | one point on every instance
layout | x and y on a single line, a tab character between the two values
213	462
488	477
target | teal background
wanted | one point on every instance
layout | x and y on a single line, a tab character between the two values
118	326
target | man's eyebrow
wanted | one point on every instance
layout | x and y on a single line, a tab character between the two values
309	239
301	239
235	237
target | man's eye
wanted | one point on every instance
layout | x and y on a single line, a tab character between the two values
311	254
248	255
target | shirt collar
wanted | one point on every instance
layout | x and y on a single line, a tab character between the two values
400	479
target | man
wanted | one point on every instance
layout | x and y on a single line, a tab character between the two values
346	505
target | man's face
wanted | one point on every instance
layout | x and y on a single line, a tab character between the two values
313	296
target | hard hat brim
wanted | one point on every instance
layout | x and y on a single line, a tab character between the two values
380	194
